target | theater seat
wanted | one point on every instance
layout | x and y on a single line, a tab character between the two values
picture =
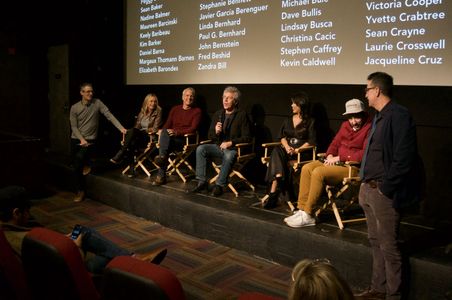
127	278
55	268
13	284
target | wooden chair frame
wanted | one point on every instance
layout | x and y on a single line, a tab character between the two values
178	159
336	191
295	164
139	161
245	153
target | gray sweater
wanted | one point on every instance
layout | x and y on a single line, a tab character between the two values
85	119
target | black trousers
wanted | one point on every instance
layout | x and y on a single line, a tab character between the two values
81	156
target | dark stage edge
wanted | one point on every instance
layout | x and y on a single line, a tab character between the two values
242	224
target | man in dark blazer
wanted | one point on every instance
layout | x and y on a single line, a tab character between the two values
389	159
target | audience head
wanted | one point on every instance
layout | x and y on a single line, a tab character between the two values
231	98
301	100
87	91
150	103
318	280
14	205
356	113
188	97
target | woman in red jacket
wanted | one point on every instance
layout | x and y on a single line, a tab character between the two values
347	145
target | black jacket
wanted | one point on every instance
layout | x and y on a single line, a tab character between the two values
400	156
238	131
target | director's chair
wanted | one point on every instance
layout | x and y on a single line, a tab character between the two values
245	153
177	159
143	160
347	190
303	157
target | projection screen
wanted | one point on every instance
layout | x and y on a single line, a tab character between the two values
287	41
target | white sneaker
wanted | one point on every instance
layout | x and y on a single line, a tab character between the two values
302	221
293	216
296	217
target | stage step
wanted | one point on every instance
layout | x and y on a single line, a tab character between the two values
242	224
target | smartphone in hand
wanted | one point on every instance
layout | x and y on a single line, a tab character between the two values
76	231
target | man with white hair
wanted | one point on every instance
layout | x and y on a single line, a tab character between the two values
182	119
347	145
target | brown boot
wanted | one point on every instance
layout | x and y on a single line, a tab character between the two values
80	196
155	257
86	170
117	159
159	180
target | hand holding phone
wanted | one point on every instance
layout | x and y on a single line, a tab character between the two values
76	231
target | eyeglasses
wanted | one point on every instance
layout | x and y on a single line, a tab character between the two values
369	88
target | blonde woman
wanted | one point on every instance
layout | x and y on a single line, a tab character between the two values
318	280
148	122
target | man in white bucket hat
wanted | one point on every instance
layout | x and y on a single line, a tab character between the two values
353	106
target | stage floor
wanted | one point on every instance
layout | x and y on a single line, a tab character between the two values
241	223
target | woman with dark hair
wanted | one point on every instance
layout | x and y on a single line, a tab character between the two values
296	132
148	122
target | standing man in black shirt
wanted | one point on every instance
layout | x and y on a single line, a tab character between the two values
389	159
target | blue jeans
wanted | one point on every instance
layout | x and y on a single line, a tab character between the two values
382	227
213	151
104	250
